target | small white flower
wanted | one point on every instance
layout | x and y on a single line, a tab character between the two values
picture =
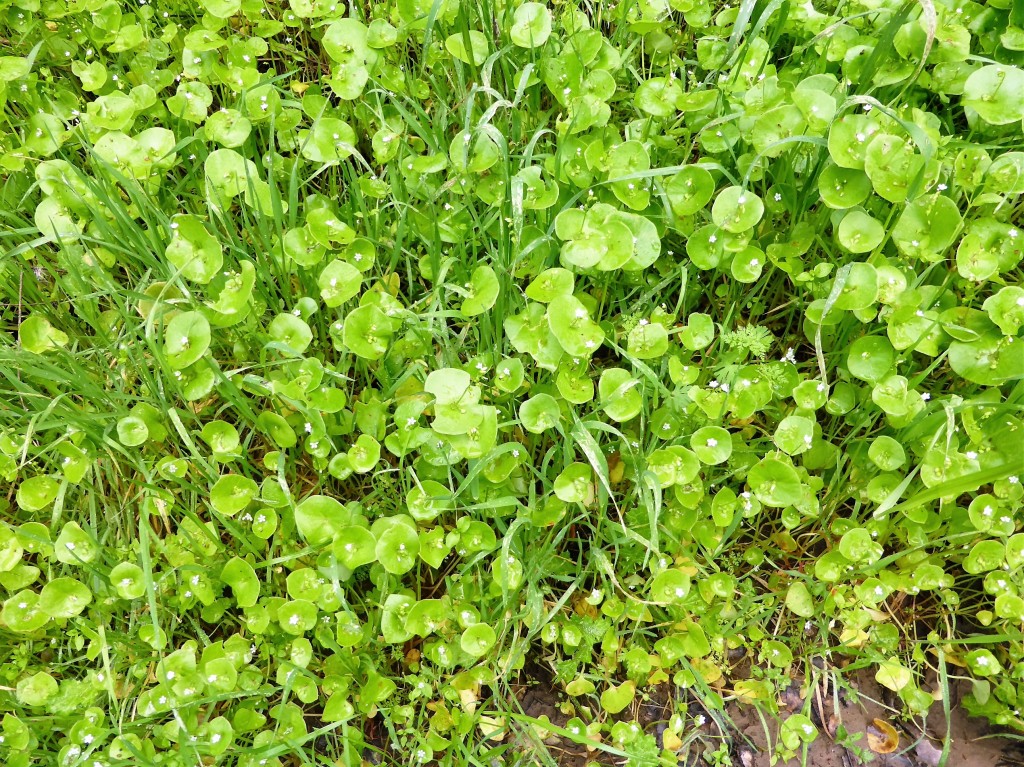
712	442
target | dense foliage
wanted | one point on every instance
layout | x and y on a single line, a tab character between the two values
359	363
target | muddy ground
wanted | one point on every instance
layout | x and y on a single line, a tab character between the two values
747	740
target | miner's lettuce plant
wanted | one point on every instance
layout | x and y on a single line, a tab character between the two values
362	366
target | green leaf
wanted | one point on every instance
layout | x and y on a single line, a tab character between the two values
996	93
615	699
354	546
232	493
64	598
193	251
775	482
37	335
531	26
539	413
186	339
36	690
799	600
36	493
318	518
736	209
477	640
240	576
483	291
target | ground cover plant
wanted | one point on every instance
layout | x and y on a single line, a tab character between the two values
362	363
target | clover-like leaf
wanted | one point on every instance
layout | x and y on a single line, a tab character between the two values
477	640
397	544
64	598
775	482
37	335
736	209
670	586
689	190
367	332
354	546
38	492
232	493
318	518
620	397
482	290
539	413
996	93
860	232
531	25
36	690
186	339
712	444
575	484
571	325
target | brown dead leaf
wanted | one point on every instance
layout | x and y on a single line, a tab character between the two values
791	698
832	726
583	608
882	737
616	468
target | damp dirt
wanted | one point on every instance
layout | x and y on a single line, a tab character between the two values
845	719
972	741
